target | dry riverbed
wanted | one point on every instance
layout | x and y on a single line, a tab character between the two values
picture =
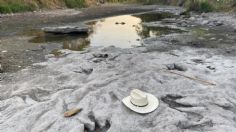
191	72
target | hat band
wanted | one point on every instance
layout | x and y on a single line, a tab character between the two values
137	105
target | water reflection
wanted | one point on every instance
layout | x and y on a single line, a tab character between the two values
153	16
156	31
77	44
123	31
119	31
71	42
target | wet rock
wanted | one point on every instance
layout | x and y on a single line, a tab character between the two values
66	30
176	66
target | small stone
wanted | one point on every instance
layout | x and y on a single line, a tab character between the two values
170	66
198	61
218	23
72	112
100	55
98	60
117	23
1	69
176	66
122	23
192	18
211	68
205	22
49	56
180	67
87	71
213	38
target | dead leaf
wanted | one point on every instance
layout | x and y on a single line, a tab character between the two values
72	112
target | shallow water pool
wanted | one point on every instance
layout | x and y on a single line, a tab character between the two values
124	31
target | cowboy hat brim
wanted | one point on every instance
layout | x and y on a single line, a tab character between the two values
153	103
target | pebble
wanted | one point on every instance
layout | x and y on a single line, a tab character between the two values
180	67
192	18
176	66
211	68
218	23
100	55
205	22
1	69
122	23
87	71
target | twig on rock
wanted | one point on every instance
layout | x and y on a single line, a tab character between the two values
191	77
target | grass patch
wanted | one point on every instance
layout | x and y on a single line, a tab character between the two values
12	6
15	7
137	1
75	3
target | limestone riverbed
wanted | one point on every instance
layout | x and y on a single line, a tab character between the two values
191	72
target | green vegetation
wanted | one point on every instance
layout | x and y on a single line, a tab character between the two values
11	6
199	6
75	3
15	7
210	5
134	1
191	5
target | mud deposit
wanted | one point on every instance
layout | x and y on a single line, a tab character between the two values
187	63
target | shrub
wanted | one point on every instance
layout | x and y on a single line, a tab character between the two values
199	6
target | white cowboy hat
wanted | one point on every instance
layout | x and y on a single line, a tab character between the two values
141	102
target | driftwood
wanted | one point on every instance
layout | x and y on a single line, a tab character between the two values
191	77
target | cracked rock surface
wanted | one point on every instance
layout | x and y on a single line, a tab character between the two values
41	94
